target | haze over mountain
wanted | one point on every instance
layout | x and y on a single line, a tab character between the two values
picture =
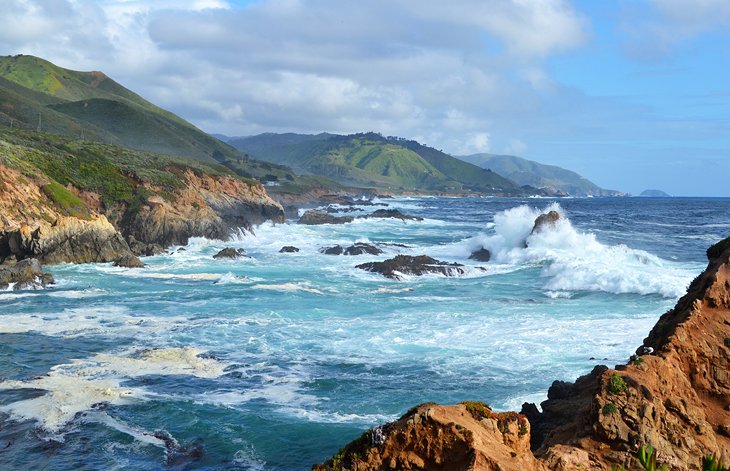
529	172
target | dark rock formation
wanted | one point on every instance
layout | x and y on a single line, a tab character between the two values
545	219
288	249
409	265
334	250
141	249
481	255
129	261
674	395
392	213
25	274
230	252
315	217
358	248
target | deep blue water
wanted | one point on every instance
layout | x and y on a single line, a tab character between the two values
275	361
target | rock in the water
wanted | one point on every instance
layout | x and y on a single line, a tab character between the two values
360	248
545	219
288	249
409	265
481	255
335	250
315	217
129	261
230	252
141	249
25	274
392	213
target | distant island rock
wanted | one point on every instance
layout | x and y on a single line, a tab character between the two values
655	193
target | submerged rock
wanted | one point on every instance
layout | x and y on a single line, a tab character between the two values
24	274
289	249
481	255
315	217
230	252
129	261
391	213
358	248
409	265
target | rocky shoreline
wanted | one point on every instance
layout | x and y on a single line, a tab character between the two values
674	395
33	226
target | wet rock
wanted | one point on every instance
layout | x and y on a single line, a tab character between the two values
25	274
230	252
410	265
545	220
392	213
142	249
481	255
315	217
362	248
335	250
129	261
289	249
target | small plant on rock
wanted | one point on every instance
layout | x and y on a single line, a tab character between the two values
617	385
609	408
647	458
710	463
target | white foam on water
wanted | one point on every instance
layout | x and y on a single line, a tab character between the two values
573	260
303	286
393	290
78	386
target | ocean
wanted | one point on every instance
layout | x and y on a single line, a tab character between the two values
276	360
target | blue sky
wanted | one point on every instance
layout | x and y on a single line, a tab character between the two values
631	94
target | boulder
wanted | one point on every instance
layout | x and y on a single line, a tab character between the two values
24	274
545	220
481	255
230	252
315	217
288	249
410	265
334	250
129	261
360	248
140	249
392	213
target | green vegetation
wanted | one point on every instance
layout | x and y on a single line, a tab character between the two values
637	361
647	458
710	463
66	201
609	408
371	160
726	341
528	172
616	384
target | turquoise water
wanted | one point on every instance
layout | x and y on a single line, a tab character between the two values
273	362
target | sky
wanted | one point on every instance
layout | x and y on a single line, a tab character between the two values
631	94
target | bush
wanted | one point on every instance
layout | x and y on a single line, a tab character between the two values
609	408
617	385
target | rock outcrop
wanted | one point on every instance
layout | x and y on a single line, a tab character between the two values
24	275
545	220
129	261
408	265
392	214
315	217
674	395
230	252
289	249
481	255
358	248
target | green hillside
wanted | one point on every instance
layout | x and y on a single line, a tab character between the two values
375	161
36	93
529	172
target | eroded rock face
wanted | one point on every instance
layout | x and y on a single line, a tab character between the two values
25	274
674	396
409	265
68	239
315	217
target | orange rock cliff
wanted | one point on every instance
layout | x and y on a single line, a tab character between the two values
674	395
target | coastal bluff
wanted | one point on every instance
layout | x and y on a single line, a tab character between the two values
43	220
674	394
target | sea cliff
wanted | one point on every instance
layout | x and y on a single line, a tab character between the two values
674	394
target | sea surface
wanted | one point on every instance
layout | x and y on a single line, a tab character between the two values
275	361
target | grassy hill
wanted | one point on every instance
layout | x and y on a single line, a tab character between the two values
529	172
375	161
35	93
